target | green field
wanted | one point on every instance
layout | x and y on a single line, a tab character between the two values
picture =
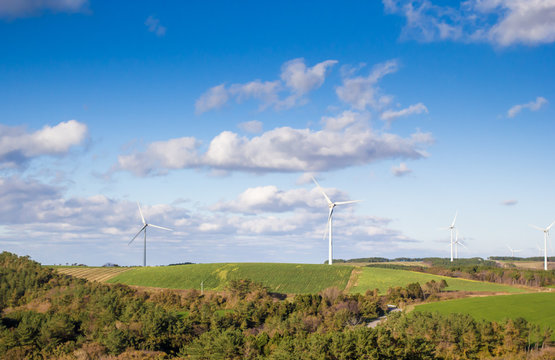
382	279
537	308
283	278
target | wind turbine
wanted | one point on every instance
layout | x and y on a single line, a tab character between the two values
331	206
451	228
512	251
545	236
457	243
145	225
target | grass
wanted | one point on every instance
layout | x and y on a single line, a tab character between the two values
536	308
99	274
283	278
382	279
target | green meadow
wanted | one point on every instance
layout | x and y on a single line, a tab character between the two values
291	278
284	278
382	279
537	308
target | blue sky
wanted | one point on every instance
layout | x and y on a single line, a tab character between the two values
214	115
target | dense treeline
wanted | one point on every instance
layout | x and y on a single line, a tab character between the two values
516	258
374	260
480	270
484	270
49	316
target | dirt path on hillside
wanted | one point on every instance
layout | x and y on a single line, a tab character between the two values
353	279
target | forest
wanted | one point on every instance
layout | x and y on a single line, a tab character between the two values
45	315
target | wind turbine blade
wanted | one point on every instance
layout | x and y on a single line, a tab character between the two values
347	202
160	227
549	227
134	237
326	230
537	227
454	219
322	191
140	212
327	225
508	247
461	243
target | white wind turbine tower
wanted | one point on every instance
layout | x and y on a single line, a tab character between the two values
545	236
331	206
451	228
513	251
145	225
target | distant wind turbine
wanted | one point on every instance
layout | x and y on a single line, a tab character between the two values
451	228
545	236
513	251
540	250
331	206
457	243
145	225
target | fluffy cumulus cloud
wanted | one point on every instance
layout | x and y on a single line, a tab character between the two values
18	8
18	146
500	22
401	170
283	149
161	156
289	223
362	92
532	106
390	115
153	25
295	81
271	199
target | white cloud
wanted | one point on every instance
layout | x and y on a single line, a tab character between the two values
17	146
39	215
266	92
500	22
390	115
252	127
153	25
510	202
161	156
214	98
18	8
301	79
270	199
340	122
296	80
532	106
401	170
530	22
279	150
361	92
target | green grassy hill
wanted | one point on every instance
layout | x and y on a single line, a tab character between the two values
284	278
382	279
291	278
537	308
